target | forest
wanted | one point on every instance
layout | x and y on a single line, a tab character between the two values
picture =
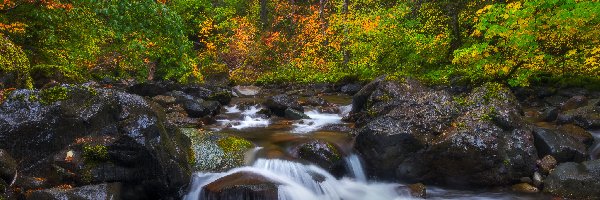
514	42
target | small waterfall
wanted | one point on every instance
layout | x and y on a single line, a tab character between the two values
249	118
355	168
299	181
345	110
317	120
595	149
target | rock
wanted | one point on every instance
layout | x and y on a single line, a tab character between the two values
241	185
104	125
322	153
8	167
279	103
549	114
196	107
216	152
525	188
555	101
562	147
359	100
573	103
294	114
246	91
105	191
223	96
538	181
351	89
575	180
151	88
316	101
578	133
164	100
418	190
416	134
337	128
571	92
547	164
587	117
526	180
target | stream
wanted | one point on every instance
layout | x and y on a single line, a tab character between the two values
297	179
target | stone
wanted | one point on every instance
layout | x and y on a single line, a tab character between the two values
525	188
574	180
538	180
279	103
164	100
587	117
322	153
241	185
547	164
563	148
578	133
418	190
573	103
351	88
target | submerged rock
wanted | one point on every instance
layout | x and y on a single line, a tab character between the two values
575	180
409	132
75	134
294	114
418	190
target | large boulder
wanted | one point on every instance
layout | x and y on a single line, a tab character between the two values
575	180
79	135
279	103
409	132
561	146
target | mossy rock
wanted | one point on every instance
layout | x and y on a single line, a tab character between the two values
216	152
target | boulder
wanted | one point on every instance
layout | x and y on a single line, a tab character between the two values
105	191
573	103
316	101
587	116
152	88
111	131
412	133
216	152
578	133
196	107
322	153
279	103
241	185
575	180
561	146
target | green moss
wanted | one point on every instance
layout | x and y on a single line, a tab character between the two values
335	152
53	94
192	156
14	64
95	153
493	91
234	144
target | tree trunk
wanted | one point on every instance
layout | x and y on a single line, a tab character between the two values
263	13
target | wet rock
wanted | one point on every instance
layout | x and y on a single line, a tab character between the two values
152	88
587	117
575	180
337	128
223	96
525	188
359	100
413	133
241	185
116	127
555	100
316	101
562	147
195	107
526	180
321	153
246	91
578	133
549	114
294	114
279	103
216	152
8	167
573	103
547	164
105	191
25	183
418	190
351	89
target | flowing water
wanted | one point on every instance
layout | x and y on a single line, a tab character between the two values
297	179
